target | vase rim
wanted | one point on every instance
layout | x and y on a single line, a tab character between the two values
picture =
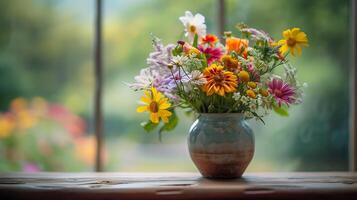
221	114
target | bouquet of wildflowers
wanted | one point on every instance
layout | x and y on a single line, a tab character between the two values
203	75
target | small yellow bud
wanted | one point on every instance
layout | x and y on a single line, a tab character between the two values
264	92
251	94
244	76
252	85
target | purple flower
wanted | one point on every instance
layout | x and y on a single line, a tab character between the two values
161	57
282	92
168	84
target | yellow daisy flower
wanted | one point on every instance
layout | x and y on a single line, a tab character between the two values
293	40
156	105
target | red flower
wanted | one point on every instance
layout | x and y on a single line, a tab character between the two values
212	54
209	39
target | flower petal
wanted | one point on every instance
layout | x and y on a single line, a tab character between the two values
199	19
154	118
301	37
284	49
294	32
142	109
164	113
164	105
287	34
145	99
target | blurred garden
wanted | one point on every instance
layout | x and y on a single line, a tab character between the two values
47	84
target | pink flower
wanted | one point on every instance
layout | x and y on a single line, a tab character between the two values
30	167
254	74
282	92
212	54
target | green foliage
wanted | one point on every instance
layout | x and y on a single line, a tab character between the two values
177	50
281	110
195	41
171	125
149	126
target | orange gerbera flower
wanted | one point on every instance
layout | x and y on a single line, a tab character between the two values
219	81
209	39
237	44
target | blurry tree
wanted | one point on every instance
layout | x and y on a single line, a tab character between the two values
43	51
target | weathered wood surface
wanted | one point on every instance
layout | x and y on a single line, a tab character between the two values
177	186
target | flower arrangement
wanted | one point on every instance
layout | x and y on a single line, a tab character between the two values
204	75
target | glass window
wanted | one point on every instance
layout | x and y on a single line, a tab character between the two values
46	68
46	85
313	137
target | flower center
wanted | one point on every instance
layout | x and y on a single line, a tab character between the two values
192	28
218	78
154	107
278	93
291	42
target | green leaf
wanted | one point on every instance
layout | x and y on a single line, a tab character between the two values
195	41
171	125
177	50
204	60
281	111
148	126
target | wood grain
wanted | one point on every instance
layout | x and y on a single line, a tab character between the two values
177	186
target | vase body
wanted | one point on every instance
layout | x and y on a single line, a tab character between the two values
221	144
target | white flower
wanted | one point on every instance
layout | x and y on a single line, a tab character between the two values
193	25
143	80
258	100
179	60
197	78
236	96
245	100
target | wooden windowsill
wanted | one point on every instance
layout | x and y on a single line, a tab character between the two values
143	186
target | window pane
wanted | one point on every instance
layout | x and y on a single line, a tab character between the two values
128	25
313	137
46	85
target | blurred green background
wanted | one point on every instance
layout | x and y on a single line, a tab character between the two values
46	64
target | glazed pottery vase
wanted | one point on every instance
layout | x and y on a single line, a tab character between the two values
221	145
